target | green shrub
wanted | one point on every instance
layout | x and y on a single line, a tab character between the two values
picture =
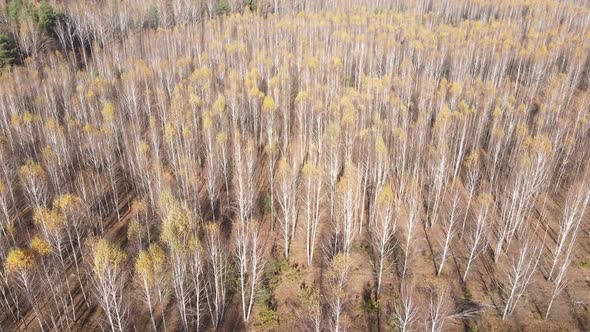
371	306
251	5
293	274
45	16
7	51
13	9
272	277
153	16
264	203
222	7
468	294
42	13
393	324
267	319
233	279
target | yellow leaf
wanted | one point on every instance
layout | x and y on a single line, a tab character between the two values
19	260
40	246
268	105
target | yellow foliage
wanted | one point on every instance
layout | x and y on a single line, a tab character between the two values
194	100
19	260
48	153
283	169
31	169
202	74
221	138
522	130
270	147
15	120
456	88
151	263
443	117
301	96
268	105
51	220
348	118
401	135
40	246
524	161
143	266
107	256
472	159
497	112
463	107
386	195
380	146
336	62
169	132
10	228
254	92
182	62
28	117
219	105
143	147
485	199
67	202
177	226
50	124
90	129
108	112
312	62
340	264
157	254
348	178
135	231
207	120
194	244
212	229
542	145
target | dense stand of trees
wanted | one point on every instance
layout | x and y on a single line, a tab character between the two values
184	165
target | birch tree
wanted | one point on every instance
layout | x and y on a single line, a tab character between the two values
212	161
108	276
439	309
382	234
576	204
477	240
338	295
244	156
345	229
287	197
177	231
216	290
448	226
269	108
34	180
522	267
411	223
312	196
406	311
151	275
20	264
250	261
